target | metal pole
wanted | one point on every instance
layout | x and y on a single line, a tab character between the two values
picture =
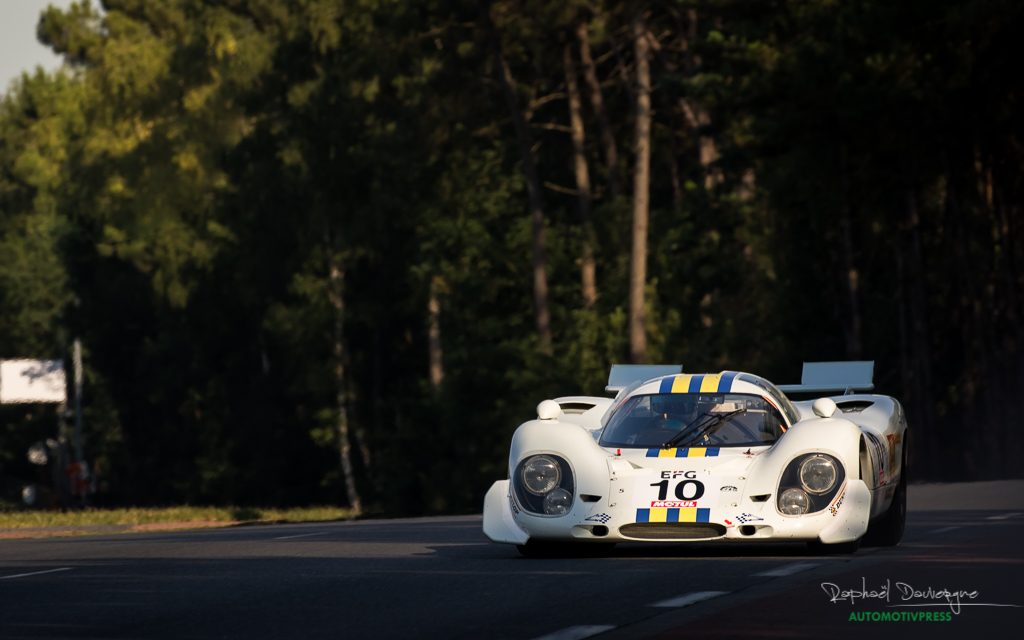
77	364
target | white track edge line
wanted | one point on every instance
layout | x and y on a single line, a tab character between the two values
788	570
1005	516
34	573
689	598
577	632
301	535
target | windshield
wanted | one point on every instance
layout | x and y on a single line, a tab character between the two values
652	420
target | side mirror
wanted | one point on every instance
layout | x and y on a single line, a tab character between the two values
824	407
548	410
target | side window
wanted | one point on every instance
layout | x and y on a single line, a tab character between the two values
761	423
778	396
620	399
787	406
773	422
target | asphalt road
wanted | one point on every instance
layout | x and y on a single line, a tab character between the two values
439	577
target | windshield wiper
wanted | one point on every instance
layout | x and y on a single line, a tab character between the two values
707	427
685	430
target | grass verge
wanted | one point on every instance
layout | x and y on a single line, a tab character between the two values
186	517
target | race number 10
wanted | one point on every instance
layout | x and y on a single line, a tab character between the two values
684	490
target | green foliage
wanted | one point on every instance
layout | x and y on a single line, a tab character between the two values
179	195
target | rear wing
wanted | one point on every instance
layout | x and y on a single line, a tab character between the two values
623	375
828	377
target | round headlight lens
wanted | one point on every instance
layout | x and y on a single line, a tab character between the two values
541	474
794	502
818	474
558	502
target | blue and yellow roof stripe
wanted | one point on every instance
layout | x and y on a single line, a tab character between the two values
691	514
683	452
698	383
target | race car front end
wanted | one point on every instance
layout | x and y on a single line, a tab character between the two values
678	495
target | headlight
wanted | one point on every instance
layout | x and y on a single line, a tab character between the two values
809	484
544	485
793	502
558	502
817	474
540	475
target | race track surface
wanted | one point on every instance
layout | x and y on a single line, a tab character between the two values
440	578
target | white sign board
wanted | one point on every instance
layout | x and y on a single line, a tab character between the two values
29	381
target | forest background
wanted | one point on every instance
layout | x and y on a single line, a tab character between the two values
335	251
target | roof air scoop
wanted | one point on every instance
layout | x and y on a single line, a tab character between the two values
623	375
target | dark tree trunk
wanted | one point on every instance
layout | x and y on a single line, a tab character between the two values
641	187
337	300
695	115
611	153
435	352
588	269
533	188
852	324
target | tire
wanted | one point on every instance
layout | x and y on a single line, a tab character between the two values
597	549
887	529
549	549
534	549
819	548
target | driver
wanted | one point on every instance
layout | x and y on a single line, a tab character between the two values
674	411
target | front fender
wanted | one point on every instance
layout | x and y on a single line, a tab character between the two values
499	523
570	441
834	436
853	511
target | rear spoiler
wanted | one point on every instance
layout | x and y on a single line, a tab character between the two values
829	377
623	375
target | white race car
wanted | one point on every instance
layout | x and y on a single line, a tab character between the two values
707	457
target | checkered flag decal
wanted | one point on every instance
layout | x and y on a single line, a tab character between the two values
600	517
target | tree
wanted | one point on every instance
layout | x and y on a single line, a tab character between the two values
533	186
584	195
291	235
641	187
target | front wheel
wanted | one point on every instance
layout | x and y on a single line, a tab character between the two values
550	549
819	548
887	530
537	549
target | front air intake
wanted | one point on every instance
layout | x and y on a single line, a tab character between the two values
672	530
